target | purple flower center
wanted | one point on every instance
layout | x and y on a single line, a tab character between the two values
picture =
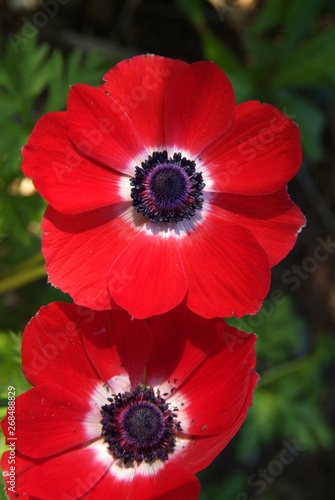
139	426
142	424
167	189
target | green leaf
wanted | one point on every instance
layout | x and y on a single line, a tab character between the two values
8	106
5	82
282	409
270	16
300	17
58	89
312	64
10	363
13	137
260	53
77	68
218	51
193	10
26	68
278	327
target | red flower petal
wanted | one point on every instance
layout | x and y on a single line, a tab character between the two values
203	450
154	280
51	416
67	180
110	346
54	418
169	483
110	256
274	219
182	340
200	106
226	379
53	351
139	86
217	410
68	475
217	259
79	251
259	154
101	130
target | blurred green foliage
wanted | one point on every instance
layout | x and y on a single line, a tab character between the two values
292	371
286	405
34	80
287	51
286	56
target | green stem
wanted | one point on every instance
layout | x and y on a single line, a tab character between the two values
35	259
283	370
21	277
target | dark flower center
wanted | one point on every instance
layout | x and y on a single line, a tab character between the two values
167	189
139	425
142	423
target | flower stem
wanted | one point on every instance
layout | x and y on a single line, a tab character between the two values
284	369
26	273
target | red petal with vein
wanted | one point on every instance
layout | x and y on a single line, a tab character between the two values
203	450
66	179
55	418
154	279
217	259
51	416
274	219
200	107
139	86
53	351
259	154
169	483
205	447
101	130
174	356
213	425
111	346
232	362
79	251
68	475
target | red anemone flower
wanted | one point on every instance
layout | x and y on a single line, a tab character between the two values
162	189
124	408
